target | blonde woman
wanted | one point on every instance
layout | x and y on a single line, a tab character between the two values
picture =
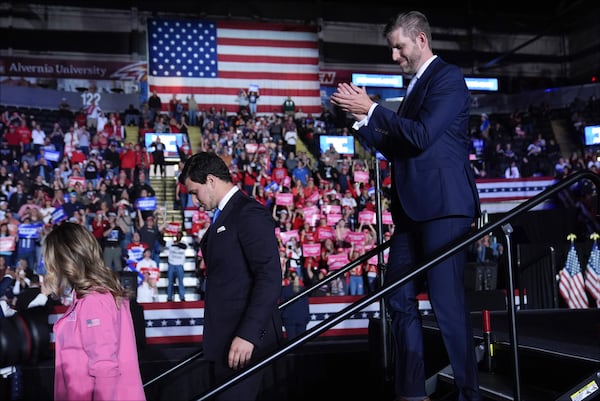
96	354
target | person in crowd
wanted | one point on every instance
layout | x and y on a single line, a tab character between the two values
8	241
148	265
430	129
253	95
158	156
112	236
192	110
96	352
296	315
155	106
289	107
135	251
148	290
151	234
241	317
176	260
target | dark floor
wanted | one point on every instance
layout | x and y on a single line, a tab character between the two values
557	350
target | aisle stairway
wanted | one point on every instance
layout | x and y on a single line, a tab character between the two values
564	137
164	188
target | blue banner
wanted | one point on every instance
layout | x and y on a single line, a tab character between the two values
52	155
58	215
148	203
31	230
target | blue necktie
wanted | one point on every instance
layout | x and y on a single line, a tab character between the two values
411	84
216	214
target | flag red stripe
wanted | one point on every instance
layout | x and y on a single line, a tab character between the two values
269	108
198	90
241	58
572	290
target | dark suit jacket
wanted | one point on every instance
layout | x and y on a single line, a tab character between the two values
427	142
243	279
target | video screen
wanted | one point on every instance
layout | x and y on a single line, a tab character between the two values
171	142
344	145
592	135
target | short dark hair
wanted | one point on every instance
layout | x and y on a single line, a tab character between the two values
413	23
200	165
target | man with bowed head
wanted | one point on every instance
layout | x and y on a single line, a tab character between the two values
434	199
243	275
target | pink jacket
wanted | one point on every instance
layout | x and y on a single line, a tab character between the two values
96	354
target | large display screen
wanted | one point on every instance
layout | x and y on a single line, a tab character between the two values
344	145
592	135
171	142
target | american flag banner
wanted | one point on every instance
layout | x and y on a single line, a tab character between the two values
592	273
214	60
571	283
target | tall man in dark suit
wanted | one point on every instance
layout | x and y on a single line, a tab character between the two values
434	199
243	275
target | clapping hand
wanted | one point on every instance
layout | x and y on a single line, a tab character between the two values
353	99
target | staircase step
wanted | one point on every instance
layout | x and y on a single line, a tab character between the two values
497	387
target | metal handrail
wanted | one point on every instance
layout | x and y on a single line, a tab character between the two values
348	311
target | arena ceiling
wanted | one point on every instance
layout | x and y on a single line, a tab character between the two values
519	23
508	16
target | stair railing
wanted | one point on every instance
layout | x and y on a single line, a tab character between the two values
368	299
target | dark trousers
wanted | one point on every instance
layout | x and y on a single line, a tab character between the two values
414	243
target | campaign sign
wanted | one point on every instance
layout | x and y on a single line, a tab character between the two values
251	148
314	197
361	176
272	187
148	203
7	244
287	235
366	217
333	218
337	261
356	238
284	199
58	215
52	155
386	218
31	230
334	209
311	250
73	181
322	235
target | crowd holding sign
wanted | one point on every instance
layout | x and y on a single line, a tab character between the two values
148	203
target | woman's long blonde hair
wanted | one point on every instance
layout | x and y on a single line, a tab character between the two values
73	260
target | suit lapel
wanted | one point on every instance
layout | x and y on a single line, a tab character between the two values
212	231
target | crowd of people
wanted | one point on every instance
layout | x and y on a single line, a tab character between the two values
86	170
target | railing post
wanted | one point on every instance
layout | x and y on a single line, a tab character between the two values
554	277
508	230
381	267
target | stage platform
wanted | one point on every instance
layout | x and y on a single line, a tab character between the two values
558	350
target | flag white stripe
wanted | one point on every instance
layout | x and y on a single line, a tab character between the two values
191	313
174	331
268	67
268	51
